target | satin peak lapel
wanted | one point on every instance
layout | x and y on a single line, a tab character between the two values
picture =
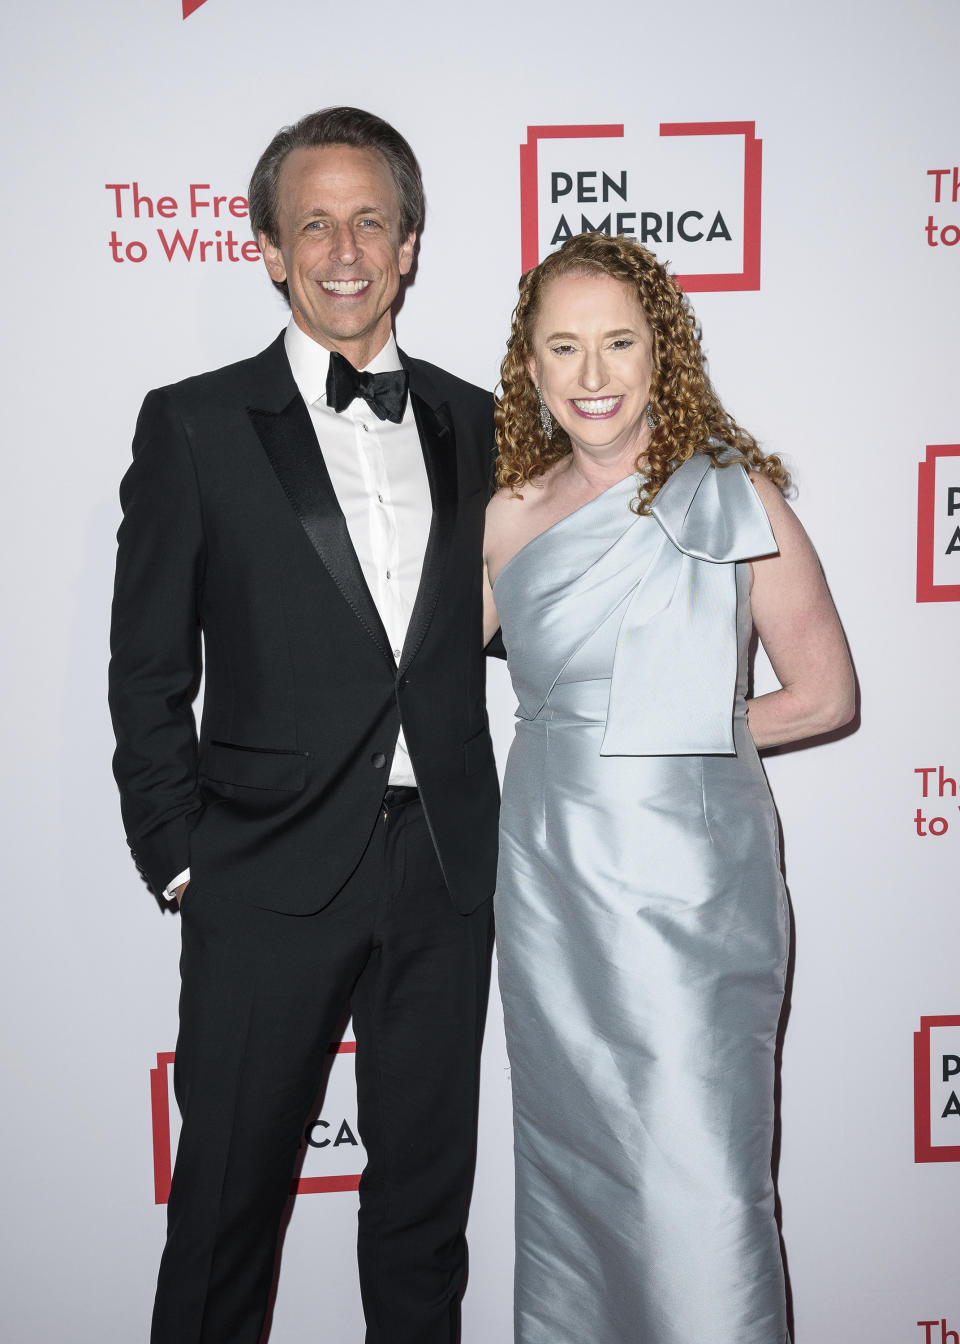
290	443
440	456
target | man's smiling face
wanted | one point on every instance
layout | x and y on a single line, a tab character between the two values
339	247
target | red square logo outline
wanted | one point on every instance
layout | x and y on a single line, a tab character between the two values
748	278
162	1148
927	590
923	1149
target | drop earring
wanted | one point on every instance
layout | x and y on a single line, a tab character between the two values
546	419
651	418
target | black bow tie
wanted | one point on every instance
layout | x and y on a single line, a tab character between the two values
384	393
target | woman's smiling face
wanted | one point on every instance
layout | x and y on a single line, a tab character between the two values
592	360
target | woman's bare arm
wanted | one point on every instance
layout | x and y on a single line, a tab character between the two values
491	621
801	634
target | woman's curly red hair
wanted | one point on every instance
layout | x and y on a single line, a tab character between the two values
686	412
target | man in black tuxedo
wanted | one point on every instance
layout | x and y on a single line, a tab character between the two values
332	832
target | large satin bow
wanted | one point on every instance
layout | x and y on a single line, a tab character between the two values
675	669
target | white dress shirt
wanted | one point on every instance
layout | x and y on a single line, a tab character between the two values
380	481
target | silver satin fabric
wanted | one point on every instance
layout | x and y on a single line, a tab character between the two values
641	925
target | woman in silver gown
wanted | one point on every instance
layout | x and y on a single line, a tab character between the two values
637	536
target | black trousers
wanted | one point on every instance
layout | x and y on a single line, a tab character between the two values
261	996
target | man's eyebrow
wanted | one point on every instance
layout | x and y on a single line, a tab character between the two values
314	210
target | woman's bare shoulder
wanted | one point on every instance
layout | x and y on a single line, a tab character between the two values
778	510
513	517
505	512
764	487
509	503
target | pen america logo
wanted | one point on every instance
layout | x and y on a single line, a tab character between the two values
333	1154
690	191
936	1084
938	524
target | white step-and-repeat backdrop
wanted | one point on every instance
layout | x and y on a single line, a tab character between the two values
798	166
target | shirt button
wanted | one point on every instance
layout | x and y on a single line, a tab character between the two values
366	429
380	498
388	573
378	760
396	653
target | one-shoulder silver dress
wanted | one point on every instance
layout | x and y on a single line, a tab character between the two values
641	925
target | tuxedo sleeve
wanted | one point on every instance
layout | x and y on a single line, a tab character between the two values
155	660
495	647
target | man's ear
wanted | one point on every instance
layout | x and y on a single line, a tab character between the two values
272	258
405	255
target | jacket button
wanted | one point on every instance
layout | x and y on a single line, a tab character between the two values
378	760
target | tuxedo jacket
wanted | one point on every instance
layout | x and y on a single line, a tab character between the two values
232	531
